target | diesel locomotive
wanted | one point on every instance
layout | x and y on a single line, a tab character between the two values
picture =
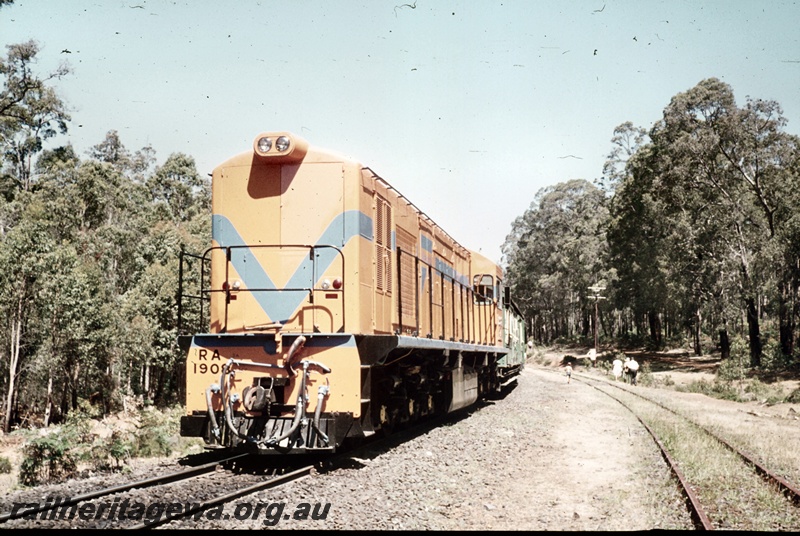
329	308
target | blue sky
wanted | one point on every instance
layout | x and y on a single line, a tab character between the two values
468	108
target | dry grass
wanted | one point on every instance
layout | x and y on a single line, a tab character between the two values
736	497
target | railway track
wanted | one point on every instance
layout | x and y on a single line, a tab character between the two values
176	476
223	498
746	488
156	500
113	507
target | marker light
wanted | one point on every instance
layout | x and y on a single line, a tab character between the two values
282	143
337	283
326	284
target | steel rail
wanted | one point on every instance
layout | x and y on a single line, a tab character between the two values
693	505
148	482
790	490
228	497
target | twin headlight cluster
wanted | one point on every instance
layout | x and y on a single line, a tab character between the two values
280	147
265	144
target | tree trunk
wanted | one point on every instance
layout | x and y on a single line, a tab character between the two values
698	349
724	344
786	318
48	403
13	365
74	385
655	328
146	382
753	332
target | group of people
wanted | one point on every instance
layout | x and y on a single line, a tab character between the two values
628	370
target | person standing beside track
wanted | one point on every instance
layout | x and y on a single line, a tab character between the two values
592	355
616	370
631	369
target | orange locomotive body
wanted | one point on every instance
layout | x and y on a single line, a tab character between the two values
333	308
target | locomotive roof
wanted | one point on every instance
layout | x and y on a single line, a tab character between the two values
302	151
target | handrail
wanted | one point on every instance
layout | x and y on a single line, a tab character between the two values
205	291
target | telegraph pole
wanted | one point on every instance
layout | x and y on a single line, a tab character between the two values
596	290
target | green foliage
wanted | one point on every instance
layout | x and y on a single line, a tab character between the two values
794	397
47	459
631	341
554	254
59	454
157	433
55	456
5	465
732	370
79	422
735	381
116	447
773	358
88	248
645	376
716	389
762	392
698	220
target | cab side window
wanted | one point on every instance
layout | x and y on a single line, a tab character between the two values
483	286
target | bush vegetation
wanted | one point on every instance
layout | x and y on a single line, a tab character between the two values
63	450
5	465
737	381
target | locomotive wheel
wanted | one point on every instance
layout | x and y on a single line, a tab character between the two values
387	421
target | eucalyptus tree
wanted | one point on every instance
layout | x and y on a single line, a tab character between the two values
729	169
626	141
137	166
72	310
30	111
553	256
636	239
29	264
635	242
116	218
178	189
180	221
71	359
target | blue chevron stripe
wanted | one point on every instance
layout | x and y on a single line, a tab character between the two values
280	305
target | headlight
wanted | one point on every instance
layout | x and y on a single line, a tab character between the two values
265	144
278	147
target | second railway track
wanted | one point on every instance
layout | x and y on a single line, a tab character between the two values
726	487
